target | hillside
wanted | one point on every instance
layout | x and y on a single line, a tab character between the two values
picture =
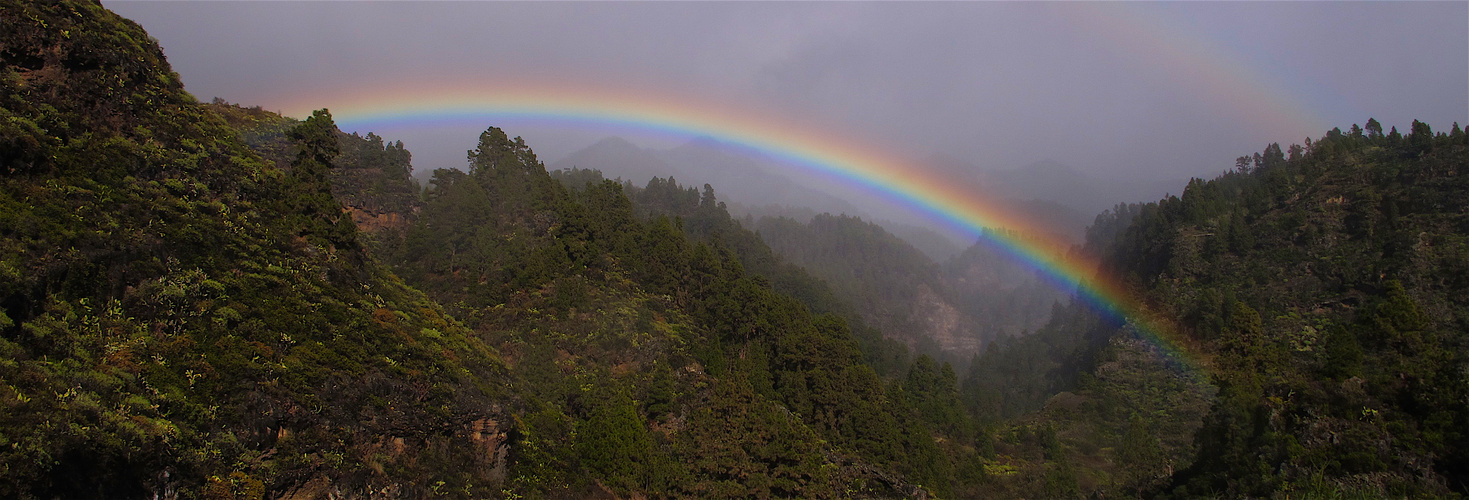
1324	285
949	310
613	329
705	368
1329	283
190	310
183	316
1055	195
896	287
1005	298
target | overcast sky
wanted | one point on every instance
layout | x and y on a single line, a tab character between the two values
1125	89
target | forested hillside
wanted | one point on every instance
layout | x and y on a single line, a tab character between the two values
593	294
190	309
583	338
1324	284
1006	298
182	316
897	288
1331	283
747	179
948	310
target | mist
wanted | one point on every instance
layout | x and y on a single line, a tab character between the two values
1129	94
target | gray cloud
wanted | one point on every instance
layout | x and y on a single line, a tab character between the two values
997	85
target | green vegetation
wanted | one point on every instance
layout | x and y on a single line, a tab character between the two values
182	315
212	301
1331	291
887	279
612	290
1324	287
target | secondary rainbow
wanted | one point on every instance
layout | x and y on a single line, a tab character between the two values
1230	82
846	160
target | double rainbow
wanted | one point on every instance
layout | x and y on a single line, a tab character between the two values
846	160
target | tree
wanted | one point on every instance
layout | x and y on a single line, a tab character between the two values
317	142
613	442
1374	129
1420	134
934	392
1343	356
1242	164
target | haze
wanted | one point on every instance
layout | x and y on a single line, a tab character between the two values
1126	92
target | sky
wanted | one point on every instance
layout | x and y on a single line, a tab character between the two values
1124	90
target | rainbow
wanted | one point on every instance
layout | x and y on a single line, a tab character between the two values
846	160
1213	73
1153	39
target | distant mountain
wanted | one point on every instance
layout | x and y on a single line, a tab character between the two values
1058	182
752	213
935	245
1008	298
617	158
1052	193
1046	180
740	175
939	247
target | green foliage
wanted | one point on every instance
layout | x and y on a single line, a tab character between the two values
1361	209
173	302
1343	354
613	443
587	283
776	458
934	393
1320	286
705	219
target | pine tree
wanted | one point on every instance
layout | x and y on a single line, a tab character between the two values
1374	129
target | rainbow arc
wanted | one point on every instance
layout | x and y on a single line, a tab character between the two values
848	161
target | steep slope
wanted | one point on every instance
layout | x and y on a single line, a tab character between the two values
183	317
947	310
894	285
672	365
1005	298
1324	286
603	333
707	220
937	246
1332	287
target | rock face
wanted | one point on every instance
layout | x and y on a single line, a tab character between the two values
1004	298
487	436
944	323
484	440
377	221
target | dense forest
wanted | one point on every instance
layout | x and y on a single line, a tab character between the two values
191	309
1324	283
206	300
